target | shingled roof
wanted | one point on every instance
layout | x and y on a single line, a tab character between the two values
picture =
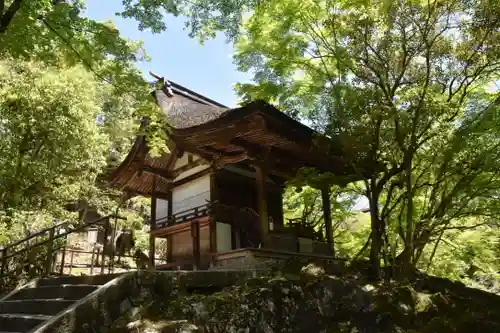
185	108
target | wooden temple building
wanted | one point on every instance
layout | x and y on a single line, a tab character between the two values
217	195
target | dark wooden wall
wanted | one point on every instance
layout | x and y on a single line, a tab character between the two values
238	190
181	244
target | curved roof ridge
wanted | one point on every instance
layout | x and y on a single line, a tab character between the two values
178	89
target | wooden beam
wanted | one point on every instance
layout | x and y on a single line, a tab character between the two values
169	237
327	215
223	132
182	181
282	163
177	172
254	155
231	175
213	217
274	169
195	235
217	153
192	177
158	172
152	240
262	204
287	132
223	161
173	155
179	228
194	149
287	158
258	152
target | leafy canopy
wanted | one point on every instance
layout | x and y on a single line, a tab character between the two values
57	34
51	143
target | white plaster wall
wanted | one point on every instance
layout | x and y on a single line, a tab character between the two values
191	195
184	160
192	171
180	162
161	209
223	237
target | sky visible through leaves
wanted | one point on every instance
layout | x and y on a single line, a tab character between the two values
206	69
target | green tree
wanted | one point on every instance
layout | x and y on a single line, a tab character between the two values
56	33
51	145
60	133
388	78
397	83
305	205
391	80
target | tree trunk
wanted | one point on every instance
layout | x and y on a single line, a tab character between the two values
376	235
407	262
406	259
7	15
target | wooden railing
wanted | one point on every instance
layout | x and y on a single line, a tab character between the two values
50	241
184	216
245	221
96	262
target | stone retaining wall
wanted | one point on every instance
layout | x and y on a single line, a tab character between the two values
128	293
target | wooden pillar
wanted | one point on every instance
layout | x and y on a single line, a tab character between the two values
213	215
195	236
327	215
169	217
152	223
261	172
50	250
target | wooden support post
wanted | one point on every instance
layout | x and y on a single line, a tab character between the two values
169	237
327	215
195	235
63	256
152	241
106	243
72	257
213	214
111	261
92	261
262	204
50	253
3	268
98	252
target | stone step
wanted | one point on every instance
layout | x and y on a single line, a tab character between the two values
16	322
35	306
65	291
85	279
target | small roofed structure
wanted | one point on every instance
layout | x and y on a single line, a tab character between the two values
219	190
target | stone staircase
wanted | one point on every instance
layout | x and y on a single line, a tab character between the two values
34	304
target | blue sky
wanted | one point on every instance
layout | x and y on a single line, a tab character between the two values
206	69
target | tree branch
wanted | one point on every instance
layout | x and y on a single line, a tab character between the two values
6	18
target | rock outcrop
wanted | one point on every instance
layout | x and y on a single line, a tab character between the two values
312	300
